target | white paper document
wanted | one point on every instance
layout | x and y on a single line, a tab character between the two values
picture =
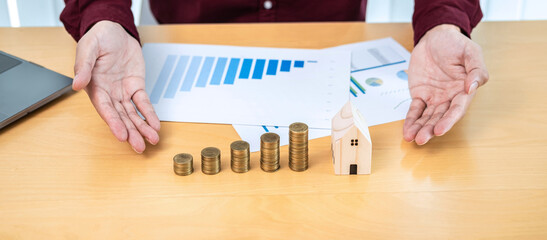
246	85
379	81
378	88
251	134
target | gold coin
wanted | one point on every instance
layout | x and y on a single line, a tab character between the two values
269	138
239	145
210	152
240	156
210	160
183	164
269	152
298	147
298	127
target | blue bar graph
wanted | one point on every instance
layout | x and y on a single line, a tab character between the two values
246	68
219	70
191	74
285	66
259	68
205	72
162	79
191	71
272	67
232	70
176	77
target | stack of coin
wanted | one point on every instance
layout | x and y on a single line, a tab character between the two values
183	164
298	146
269	152
210	160
240	156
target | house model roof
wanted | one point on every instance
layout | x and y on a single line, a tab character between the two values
347	118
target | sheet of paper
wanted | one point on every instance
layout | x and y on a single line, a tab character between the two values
252	134
379	82
378	87
245	85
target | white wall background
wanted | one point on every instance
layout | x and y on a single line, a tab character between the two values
23	13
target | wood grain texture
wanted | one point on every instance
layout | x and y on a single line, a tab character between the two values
64	176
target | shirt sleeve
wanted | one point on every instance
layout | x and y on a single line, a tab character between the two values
465	14
80	15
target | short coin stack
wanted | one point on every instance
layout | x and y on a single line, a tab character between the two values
298	147
210	160
240	156
269	152
183	164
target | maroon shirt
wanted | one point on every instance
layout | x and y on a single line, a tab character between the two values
79	15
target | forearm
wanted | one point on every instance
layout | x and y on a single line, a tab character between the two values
79	16
465	14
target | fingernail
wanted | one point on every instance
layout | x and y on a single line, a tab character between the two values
423	142
442	133
136	150
473	87
148	139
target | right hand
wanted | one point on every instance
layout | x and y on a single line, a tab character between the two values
110	67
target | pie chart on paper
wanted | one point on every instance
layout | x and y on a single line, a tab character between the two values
374	82
402	75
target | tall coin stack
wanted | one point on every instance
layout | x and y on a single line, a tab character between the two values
210	160
298	147
183	164
269	152
240	156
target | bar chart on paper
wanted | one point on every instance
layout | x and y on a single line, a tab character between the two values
245	85
188	66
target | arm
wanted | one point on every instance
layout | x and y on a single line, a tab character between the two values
446	67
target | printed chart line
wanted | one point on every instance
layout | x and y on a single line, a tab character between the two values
379	66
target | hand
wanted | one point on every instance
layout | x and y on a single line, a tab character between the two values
446	68
110	67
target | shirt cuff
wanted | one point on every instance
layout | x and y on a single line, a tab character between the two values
100	11
437	14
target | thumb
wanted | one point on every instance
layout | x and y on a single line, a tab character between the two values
86	56
477	74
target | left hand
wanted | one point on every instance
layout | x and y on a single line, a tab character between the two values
446	68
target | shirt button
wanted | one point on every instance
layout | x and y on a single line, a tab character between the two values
268	5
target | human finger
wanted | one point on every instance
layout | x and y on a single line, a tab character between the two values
142	102
144	129
87	53
415	111
477	74
103	104
134	138
426	132
455	112
417	117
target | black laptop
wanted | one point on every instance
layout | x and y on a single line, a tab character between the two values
26	86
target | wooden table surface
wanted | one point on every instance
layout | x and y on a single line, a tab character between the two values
64	175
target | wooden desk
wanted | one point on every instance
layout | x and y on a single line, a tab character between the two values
63	174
